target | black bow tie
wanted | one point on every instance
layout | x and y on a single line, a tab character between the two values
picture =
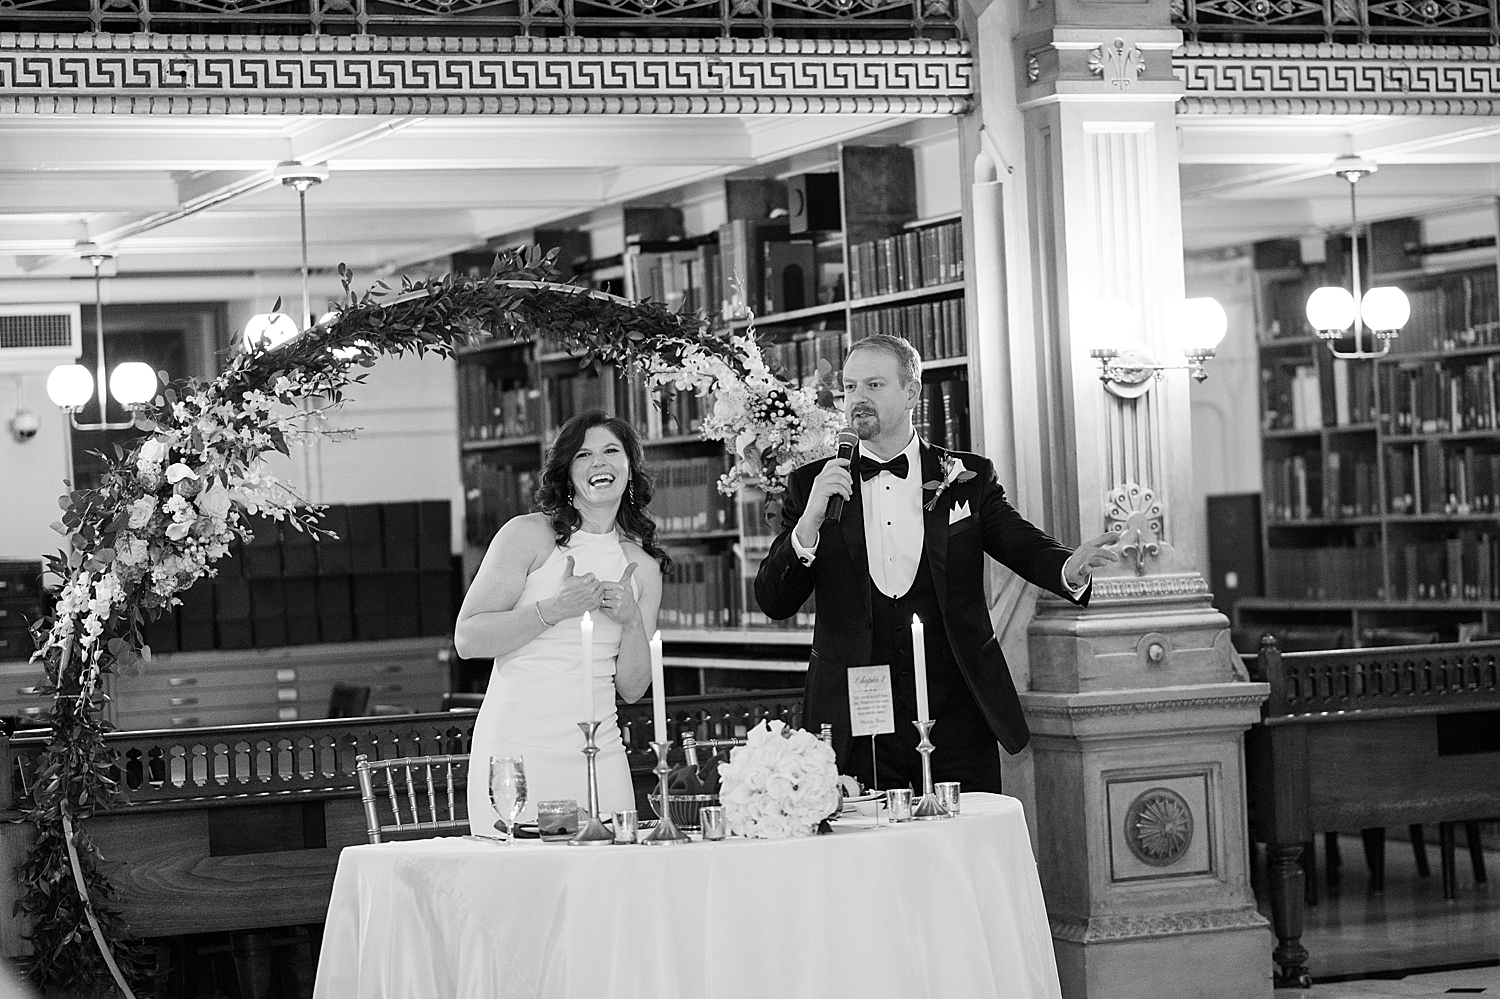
869	467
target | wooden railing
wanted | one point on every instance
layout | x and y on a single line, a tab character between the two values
183	767
1408	679
832	19
1351	22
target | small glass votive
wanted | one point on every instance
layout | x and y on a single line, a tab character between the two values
557	818
626	824
713	823
947	795
899	801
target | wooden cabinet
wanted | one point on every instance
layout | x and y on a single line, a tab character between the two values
278	685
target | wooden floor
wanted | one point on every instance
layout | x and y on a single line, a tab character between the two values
1367	944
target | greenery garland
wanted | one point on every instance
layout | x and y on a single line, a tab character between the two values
169	506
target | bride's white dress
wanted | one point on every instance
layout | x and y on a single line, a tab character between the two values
534	700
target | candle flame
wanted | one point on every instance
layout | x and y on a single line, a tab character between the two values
656	635
915	619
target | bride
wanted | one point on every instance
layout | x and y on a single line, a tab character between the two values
591	548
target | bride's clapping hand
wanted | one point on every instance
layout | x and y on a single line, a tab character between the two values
618	599
578	594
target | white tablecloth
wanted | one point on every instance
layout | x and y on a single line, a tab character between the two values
949	909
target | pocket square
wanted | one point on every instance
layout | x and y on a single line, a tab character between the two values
958	512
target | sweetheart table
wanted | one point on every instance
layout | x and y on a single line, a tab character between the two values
940	909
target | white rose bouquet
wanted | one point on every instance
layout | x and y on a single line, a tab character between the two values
782	782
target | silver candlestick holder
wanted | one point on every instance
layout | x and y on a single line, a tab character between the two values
928	807
666	831
592	832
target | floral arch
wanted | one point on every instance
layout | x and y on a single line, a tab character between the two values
167	508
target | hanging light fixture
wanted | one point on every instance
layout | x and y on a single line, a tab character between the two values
272	329
1331	310
132	383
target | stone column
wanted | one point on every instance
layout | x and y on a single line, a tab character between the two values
1137	705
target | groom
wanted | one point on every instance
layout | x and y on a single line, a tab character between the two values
912	539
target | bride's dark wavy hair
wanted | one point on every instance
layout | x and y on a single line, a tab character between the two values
555	495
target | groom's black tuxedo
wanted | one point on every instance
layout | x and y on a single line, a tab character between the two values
848	629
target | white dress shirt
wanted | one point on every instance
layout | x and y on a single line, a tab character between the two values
893	524
894	530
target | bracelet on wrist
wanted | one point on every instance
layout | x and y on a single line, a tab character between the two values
545	622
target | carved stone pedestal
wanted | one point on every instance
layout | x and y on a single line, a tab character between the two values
1140	798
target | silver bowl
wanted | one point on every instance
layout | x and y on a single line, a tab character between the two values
684	808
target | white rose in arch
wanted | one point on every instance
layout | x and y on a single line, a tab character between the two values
155	449
141	511
215	502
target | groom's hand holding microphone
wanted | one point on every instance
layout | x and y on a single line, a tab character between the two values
832	487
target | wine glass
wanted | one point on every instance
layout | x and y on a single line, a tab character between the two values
508	791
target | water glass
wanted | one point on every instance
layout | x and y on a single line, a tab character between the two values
508	791
627	824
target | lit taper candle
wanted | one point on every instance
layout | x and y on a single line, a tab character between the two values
658	689
587	627
919	663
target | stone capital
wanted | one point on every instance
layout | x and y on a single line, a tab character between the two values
1097	64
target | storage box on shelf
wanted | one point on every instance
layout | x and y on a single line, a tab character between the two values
1380	478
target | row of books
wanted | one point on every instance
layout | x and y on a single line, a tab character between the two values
916	258
700	591
1460	310
569	395
1351	486
661	413
798	359
688	280
1343	573
494	493
1440	398
493	408
1462	567
1291	397
942	413
687	498
936	329
1430	478
1292	488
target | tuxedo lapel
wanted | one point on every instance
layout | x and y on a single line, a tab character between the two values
853	526
935	523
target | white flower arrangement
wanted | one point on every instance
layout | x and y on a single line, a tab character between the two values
770	427
782	782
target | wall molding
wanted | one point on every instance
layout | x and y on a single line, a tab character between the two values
1110	928
1233	702
1243	78
320	74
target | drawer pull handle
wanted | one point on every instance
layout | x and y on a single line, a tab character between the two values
286	693
286	676
182	702
32	712
182	681
184	722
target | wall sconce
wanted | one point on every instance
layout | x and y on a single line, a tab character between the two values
1126	366
132	383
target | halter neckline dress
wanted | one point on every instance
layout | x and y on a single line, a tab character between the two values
533	704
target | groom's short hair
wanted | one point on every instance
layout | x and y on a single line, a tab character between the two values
908	361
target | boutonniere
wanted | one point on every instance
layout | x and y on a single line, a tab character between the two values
953	471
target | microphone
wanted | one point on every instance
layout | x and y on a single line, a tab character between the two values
848	440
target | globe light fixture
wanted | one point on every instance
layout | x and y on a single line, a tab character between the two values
1331	309
1126	367
269	331
70	386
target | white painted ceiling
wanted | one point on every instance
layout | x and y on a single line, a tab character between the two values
180	196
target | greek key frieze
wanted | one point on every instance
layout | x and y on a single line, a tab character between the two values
907	76
1337	79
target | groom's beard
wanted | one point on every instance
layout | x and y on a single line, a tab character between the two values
865	423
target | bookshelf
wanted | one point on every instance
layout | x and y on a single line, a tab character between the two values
821	257
1381	479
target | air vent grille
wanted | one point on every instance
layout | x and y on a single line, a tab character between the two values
50	330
